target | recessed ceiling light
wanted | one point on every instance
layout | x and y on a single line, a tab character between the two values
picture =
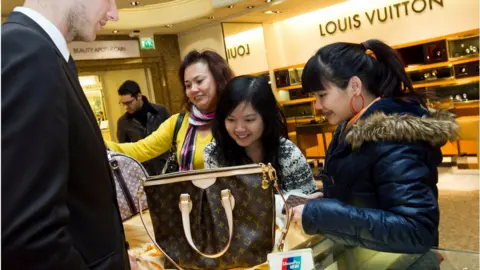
250	7
115	31
135	3
231	6
210	17
168	26
271	12
268	1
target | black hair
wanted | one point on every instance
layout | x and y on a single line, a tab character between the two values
221	71
257	92
382	71
129	88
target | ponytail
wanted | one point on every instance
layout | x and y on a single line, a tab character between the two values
391	80
377	65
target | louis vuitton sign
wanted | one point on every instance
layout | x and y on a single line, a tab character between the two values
239	51
379	15
111	49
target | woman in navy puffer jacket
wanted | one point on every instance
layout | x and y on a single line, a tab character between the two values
380	173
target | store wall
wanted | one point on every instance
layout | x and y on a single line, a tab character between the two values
208	38
155	70
294	40
111	81
245	45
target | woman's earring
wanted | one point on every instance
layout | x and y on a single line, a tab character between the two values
352	104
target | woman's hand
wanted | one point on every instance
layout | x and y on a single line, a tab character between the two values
133	262
296	214
316	195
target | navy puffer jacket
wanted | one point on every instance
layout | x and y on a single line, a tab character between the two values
380	179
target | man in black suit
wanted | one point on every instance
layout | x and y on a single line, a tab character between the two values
59	208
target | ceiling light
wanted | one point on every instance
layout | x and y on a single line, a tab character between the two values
231	6
115	31
168	26
211	17
271	12
135	3
268	1
249	7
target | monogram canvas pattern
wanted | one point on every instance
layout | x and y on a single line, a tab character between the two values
131	173
253	217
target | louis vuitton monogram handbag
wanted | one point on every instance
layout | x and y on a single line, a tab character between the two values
214	218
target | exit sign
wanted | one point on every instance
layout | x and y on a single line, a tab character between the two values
147	44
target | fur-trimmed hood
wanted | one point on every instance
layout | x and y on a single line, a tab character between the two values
434	127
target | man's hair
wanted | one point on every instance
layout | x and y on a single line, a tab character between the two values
129	88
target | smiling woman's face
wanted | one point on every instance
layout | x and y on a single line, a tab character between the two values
334	102
200	87
244	125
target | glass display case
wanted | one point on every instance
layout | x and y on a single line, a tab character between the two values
298	111
433	74
428	53
446	97
465	70
331	256
463	47
282	78
295	76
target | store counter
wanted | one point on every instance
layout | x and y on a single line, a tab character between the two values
327	254
330	256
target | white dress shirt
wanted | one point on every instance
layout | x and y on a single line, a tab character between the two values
48	27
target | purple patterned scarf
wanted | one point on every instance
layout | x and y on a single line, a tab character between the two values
187	153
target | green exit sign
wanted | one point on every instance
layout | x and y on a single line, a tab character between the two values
147	44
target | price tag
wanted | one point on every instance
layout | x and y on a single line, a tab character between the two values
301	259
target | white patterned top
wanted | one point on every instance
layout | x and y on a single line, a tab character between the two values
295	173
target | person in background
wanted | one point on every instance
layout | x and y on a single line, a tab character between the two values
380	173
249	127
140	120
59	208
204	75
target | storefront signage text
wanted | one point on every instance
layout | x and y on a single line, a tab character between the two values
238	50
381	15
104	49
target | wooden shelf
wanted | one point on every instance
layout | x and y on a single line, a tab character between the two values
448	82
303	120
291	87
259	73
455	35
289	67
472	104
442	64
297	101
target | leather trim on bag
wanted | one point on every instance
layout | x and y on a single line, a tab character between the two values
204	183
207	174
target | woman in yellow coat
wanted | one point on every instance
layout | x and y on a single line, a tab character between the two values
204	76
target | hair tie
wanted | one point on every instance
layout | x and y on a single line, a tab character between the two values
371	54
363	46
368	51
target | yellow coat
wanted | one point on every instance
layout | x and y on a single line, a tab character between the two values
160	141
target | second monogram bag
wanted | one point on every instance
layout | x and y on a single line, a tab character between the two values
214	218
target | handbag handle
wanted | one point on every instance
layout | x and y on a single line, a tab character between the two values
185	205
140	206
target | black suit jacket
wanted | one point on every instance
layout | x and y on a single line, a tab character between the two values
59	208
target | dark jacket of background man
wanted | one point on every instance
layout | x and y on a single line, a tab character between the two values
141	119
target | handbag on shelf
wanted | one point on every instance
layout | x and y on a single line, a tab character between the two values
214	218
171	165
